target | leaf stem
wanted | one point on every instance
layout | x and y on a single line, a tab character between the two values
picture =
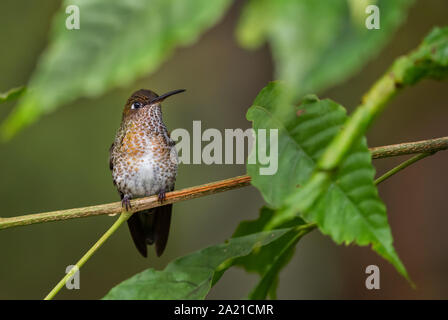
123	217
262	289
401	166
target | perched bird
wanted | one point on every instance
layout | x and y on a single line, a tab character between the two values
143	160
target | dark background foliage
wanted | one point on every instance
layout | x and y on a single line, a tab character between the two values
61	162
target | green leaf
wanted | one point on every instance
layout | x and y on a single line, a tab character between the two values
429	60
348	207
320	195
317	44
301	140
344	203
12	94
190	277
118	41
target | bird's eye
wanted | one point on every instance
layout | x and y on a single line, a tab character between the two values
136	105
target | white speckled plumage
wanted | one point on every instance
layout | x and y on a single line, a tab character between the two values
143	160
144	164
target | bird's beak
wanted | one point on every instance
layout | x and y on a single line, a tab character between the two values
166	95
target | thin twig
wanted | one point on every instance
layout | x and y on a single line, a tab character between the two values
402	165
123	217
425	146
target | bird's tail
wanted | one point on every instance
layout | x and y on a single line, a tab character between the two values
151	226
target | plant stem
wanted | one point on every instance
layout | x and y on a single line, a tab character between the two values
425	146
123	217
261	291
401	166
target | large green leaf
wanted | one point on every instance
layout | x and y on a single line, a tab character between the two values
346	205
190	277
317	43
117	42
302	139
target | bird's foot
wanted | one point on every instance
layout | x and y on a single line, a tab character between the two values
162	196
126	203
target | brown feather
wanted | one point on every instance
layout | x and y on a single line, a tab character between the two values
162	221
151	226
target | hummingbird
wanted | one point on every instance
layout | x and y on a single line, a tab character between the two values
143	160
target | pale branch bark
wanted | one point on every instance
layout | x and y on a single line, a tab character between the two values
137	204
425	146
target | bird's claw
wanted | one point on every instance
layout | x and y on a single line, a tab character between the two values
126	203
162	196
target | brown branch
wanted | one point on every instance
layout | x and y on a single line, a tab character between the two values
424	146
137	204
432	145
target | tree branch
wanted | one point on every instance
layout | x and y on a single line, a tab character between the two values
425	146
137	204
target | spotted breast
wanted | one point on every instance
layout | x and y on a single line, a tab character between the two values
143	160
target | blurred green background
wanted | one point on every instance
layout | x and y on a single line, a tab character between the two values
61	162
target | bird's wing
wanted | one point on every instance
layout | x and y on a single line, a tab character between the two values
111	157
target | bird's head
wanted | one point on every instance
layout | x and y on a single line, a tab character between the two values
144	98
